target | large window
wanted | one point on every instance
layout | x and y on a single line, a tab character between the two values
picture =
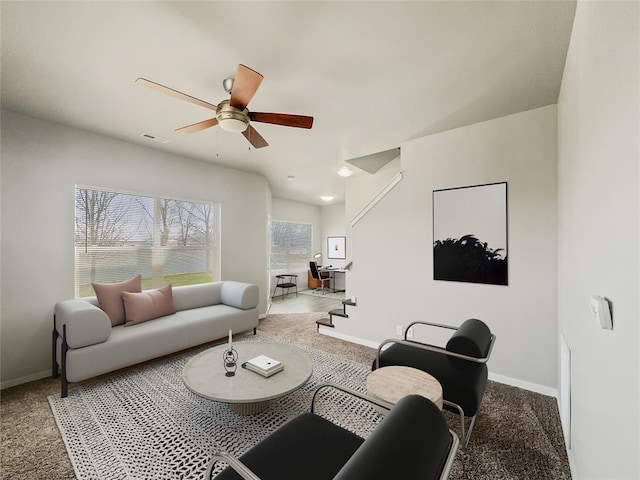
290	247
120	235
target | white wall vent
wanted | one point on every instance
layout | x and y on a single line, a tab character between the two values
153	137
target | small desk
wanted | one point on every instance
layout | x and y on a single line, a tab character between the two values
338	276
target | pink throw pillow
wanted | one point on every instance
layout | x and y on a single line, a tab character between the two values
140	307
110	297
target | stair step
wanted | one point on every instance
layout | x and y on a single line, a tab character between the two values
338	313
349	303
326	322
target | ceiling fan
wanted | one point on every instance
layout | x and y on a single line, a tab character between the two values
232	115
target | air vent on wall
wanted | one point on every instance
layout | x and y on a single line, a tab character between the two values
153	137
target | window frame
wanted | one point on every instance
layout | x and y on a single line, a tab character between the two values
153	248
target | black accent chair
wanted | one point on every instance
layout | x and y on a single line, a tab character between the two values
412	442
460	367
315	273
286	282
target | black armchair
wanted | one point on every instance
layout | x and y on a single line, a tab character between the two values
412	442
460	367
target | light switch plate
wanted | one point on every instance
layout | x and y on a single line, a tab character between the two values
601	312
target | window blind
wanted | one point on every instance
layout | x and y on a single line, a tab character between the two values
290	247
120	235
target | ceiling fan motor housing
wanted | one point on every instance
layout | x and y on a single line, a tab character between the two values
232	119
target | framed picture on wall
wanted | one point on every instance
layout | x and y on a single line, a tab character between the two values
337	247
470	234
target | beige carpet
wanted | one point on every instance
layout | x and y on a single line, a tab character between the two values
517	435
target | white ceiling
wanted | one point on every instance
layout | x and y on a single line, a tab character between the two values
372	74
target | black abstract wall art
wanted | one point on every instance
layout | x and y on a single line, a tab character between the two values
470	234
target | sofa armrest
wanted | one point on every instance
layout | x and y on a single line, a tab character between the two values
86	323
240	295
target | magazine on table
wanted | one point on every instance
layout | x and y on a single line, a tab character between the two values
265	366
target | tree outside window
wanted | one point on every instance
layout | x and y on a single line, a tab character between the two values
290	247
120	235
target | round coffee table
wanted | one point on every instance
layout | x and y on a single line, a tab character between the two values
390	384
247	392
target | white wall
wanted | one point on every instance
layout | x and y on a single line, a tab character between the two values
598	230
392	274
333	225
41	164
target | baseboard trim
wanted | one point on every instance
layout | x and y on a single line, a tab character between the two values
331	332
27	379
572	465
532	387
514	382
572	461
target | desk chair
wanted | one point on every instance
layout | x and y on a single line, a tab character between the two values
285	282
315	273
460	367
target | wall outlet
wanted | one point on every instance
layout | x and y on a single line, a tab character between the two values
410	333
399	330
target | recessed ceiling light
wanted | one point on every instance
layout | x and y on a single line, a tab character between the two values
327	198
345	172
290	177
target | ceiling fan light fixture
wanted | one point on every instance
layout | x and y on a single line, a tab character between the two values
232	119
232	125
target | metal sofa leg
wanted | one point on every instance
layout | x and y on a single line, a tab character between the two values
54	350
64	384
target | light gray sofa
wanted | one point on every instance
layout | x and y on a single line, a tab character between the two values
85	344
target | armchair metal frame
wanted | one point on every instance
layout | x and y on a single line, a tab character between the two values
244	471
437	349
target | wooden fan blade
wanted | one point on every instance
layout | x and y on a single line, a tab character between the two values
254	138
175	93
299	121
197	127
244	88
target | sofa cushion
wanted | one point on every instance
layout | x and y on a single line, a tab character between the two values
147	305
196	296
110	297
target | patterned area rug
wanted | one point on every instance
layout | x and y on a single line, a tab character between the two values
144	423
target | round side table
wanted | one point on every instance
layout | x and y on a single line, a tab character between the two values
390	384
